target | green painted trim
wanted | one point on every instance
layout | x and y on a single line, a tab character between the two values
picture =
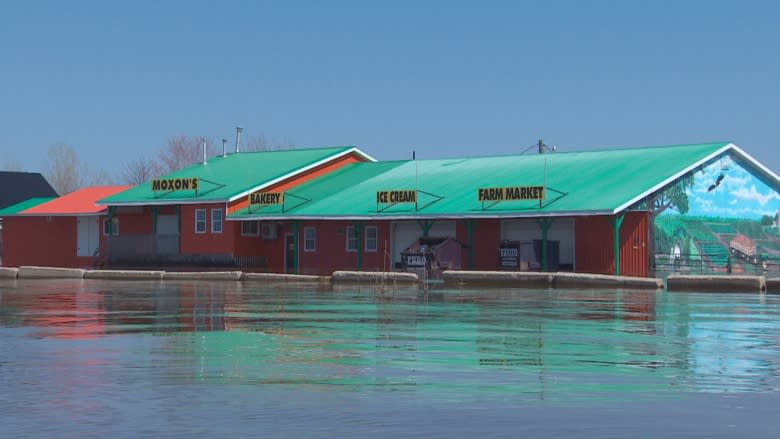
359	228
470	223
296	225
616	222
425	226
155	212
544	224
110	220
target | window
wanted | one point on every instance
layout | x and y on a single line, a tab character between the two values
216	220
352	239
250	228
371	238
114	227
309	239
200	220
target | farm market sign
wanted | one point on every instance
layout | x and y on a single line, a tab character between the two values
174	184
512	193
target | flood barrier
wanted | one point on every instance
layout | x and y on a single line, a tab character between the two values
203	275
285	278
773	285
8	273
499	279
31	272
124	274
724	284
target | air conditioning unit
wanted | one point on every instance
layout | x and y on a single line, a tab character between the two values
268	230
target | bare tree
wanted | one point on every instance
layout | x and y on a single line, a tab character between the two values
261	143
11	164
257	143
100	178
141	170
64	170
183	151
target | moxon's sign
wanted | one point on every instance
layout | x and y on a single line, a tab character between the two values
512	193
174	184
266	198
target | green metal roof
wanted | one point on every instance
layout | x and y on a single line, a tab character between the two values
595	182
229	177
24	205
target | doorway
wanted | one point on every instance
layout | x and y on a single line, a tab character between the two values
289	253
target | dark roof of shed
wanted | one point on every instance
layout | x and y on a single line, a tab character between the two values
16	187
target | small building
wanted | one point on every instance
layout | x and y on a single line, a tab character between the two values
180	218
586	212
67	231
742	246
18	187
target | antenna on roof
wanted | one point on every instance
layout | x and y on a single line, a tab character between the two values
541	147
238	138
204	150
224	147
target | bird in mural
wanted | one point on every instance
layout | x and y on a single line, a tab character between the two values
716	184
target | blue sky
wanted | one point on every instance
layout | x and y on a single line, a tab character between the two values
445	78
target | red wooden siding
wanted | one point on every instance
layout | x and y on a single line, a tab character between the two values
486	236
594	245
44	241
301	178
332	254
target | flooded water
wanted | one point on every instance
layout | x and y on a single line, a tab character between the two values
137	359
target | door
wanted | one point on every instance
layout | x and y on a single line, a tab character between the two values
167	238
87	235
289	253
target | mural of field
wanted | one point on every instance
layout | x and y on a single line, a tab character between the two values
723	219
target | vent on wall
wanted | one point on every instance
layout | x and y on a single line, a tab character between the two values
268	230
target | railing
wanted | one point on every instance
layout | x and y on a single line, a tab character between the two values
159	251
719	262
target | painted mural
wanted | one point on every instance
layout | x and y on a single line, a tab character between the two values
721	219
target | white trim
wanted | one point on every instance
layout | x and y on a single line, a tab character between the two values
165	202
101	213
205	221
301	170
573	213
347	234
256	222
307	250
376	239
757	164
221	220
114	227
712	157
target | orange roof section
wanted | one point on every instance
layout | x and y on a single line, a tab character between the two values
80	202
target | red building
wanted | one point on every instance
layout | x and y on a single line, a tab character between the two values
69	231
